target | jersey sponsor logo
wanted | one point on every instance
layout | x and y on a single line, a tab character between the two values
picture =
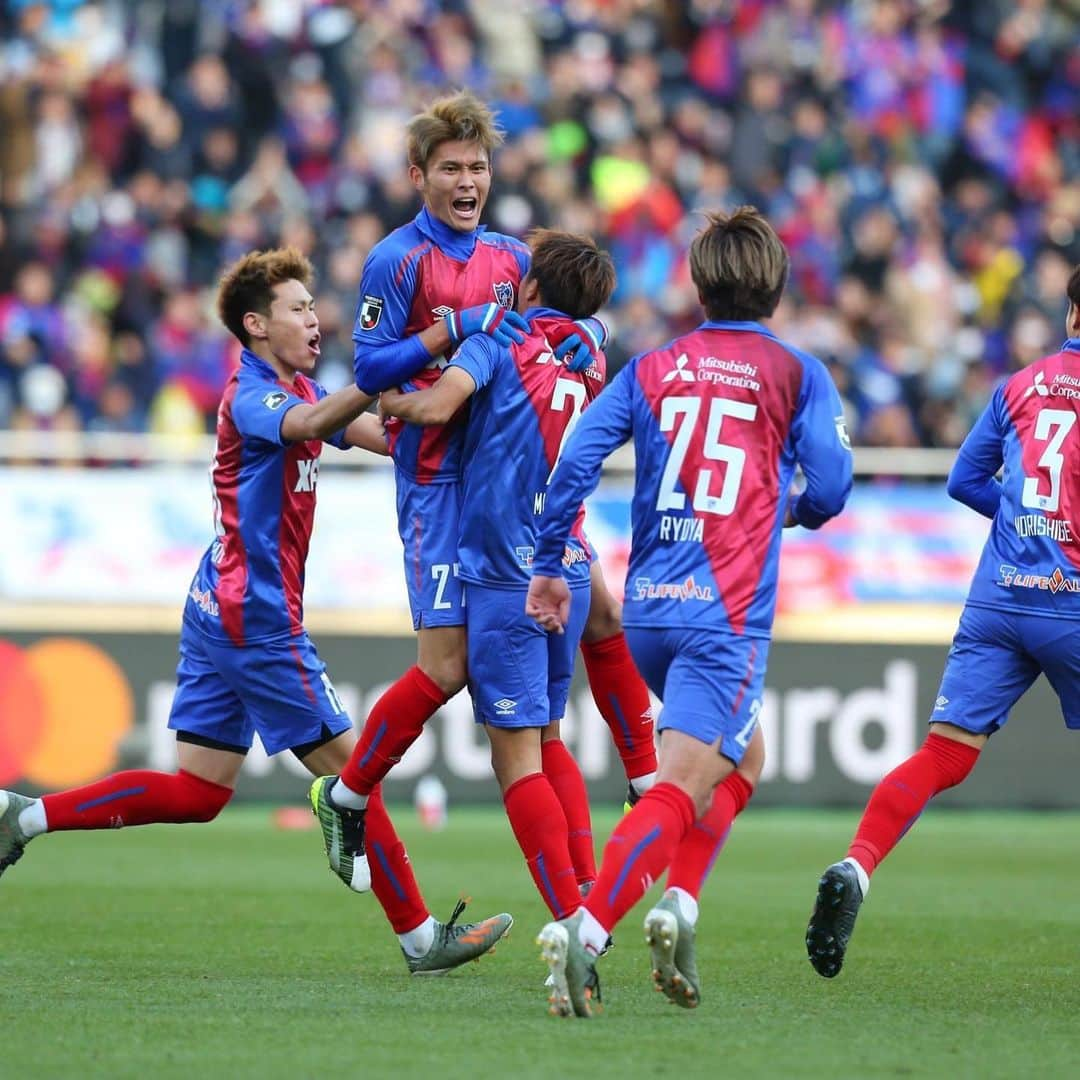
504	706
525	556
737	373
275	399
679	370
682	529
1037	525
504	293
204	600
646	589
1037	387
1062	385
370	312
307	474
1012	578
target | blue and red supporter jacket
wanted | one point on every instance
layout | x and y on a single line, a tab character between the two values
413	277
249	585
1031	560
720	418
525	406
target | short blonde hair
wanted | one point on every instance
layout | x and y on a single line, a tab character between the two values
460	117
248	285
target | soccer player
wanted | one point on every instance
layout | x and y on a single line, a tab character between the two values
720	418
524	403
1022	615
426	288
246	662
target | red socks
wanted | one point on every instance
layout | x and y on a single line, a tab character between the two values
392	727
569	785
702	844
539	825
639	851
623	700
900	797
392	879
138	797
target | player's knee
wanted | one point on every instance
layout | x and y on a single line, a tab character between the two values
448	673
605	619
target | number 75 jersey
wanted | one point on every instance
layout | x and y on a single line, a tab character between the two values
1031	561
720	418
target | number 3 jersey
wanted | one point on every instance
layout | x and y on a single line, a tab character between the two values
1031	560
525	406
720	418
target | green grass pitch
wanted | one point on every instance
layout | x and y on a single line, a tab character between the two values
229	950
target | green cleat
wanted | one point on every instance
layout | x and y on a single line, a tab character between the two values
573	981
671	940
12	839
454	945
631	800
343	836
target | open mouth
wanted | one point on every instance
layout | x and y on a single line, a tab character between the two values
464	207
313	344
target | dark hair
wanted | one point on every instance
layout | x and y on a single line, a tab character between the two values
248	285
575	276
461	117
739	266
1072	290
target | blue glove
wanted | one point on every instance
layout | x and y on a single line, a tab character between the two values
583	345
506	327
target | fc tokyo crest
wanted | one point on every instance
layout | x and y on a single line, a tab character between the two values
504	293
370	312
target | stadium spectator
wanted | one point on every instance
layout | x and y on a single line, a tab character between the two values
623	119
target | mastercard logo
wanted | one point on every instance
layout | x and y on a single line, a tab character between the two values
65	705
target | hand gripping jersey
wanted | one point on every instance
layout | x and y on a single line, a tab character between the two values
525	406
413	277
249	585
719	418
1031	560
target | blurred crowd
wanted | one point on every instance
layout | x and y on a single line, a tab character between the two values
921	160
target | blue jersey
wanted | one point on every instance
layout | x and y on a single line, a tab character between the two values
1031	560
249	585
720	417
525	406
417	275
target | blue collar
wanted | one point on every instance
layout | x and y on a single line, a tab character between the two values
253	360
458	245
1071	345
728	324
544	313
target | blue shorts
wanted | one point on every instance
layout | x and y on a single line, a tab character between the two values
519	675
710	683
428	527
279	689
995	656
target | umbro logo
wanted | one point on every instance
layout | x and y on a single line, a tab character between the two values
505	706
1038	387
941	702
679	370
442	311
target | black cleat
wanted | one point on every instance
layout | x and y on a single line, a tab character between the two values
832	922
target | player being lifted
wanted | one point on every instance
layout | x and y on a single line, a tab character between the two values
246	662
426	288
720	418
524	403
1022	615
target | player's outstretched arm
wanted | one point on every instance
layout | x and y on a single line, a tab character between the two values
367	433
435	405
333	412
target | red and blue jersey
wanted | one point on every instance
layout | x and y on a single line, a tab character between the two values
1031	560
249	586
720	418
413	277
525	406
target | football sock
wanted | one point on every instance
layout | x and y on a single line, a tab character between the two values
392	879
392	726
137	797
641	784
688	904
639	851
539	825
418	941
899	799
696	854
569	785
591	934
32	819
860	873
623	700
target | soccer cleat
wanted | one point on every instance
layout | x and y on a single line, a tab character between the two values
12	839
632	799
671	940
343	836
454	945
839	897
574	983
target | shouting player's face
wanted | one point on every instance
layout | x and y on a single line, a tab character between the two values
456	184
292	330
